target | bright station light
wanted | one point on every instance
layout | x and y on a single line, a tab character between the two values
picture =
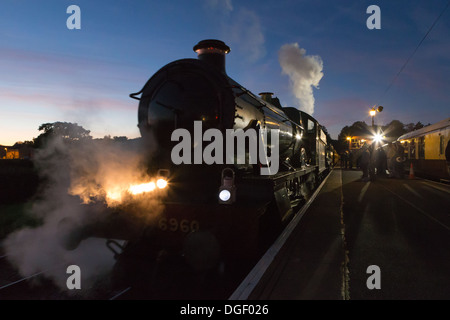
377	138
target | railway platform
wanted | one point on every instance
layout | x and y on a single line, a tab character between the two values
353	234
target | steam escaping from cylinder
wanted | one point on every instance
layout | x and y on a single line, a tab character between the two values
82	182
305	72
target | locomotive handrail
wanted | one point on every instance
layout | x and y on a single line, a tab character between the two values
133	95
244	91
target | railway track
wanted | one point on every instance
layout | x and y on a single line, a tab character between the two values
36	286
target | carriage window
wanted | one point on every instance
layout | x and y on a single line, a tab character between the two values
412	149
441	144
421	145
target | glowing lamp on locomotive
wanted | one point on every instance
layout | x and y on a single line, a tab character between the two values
227	190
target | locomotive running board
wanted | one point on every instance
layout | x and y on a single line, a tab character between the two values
283	176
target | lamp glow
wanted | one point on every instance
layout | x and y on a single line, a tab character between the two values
142	188
377	138
161	183
225	195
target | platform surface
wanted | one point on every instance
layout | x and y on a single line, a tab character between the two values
401	226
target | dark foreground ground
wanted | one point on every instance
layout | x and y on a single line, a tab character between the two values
392	233
398	227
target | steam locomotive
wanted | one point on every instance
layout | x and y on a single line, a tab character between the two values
226	212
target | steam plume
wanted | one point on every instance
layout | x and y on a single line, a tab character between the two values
304	72
75	174
222	5
246	33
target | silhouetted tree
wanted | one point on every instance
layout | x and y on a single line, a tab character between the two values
394	129
21	144
419	125
120	139
66	130
358	128
411	126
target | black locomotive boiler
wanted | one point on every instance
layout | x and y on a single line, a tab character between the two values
220	214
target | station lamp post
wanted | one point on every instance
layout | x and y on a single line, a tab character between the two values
373	111
372	114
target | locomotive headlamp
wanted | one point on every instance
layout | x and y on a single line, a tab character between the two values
224	195
162	178
161	183
227	190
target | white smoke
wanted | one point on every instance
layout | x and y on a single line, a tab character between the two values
246	34
223	5
75	174
304	73
241	28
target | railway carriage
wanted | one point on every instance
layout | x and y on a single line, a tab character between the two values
425	150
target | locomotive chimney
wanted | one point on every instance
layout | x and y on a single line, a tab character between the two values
213	52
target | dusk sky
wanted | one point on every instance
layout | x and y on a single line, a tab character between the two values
49	73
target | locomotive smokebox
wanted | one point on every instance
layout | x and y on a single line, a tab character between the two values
213	52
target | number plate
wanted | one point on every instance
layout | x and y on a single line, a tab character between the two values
173	225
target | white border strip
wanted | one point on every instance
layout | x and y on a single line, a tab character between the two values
247	286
